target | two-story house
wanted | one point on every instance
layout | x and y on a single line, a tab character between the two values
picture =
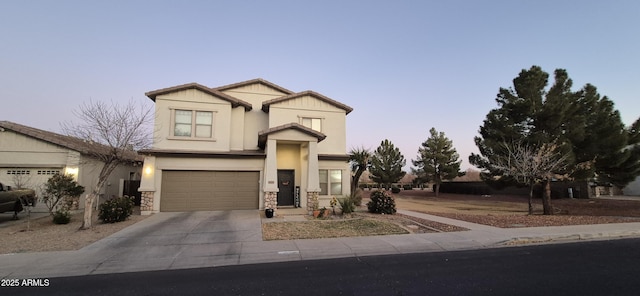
248	145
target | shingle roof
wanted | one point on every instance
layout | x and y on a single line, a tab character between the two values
267	104
253	81
235	102
262	136
68	142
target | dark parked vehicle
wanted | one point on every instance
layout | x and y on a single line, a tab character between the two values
13	200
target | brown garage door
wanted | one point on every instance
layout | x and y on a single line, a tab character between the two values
209	191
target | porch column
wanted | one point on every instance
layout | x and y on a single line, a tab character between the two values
270	186
148	185
313	177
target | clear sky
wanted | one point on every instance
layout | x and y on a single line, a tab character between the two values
404	66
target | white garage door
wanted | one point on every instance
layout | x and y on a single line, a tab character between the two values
209	191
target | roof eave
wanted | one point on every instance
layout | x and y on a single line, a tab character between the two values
263	135
267	104
213	92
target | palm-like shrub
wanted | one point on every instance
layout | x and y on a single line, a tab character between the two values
347	205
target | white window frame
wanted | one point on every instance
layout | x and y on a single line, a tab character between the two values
329	188
194	124
318	120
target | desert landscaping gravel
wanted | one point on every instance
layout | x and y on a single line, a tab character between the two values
44	235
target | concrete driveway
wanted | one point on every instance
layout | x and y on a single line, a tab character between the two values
175	240
187	228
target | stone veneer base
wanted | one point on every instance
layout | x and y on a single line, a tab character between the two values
146	202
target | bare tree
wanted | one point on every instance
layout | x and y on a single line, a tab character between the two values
21	180
115	132
529	165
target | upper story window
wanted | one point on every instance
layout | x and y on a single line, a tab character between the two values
193	124
312	123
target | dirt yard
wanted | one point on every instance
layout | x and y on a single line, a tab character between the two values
512	211
43	235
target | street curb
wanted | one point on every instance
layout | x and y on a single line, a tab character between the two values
570	237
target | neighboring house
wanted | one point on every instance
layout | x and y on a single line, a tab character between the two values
30	156
249	145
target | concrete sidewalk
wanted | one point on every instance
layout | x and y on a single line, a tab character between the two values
186	242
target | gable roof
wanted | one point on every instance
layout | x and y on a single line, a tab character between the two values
68	142
235	102
267	104
262	136
254	81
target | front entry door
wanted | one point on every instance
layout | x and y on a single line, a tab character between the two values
285	187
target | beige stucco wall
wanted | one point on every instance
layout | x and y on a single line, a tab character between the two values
17	150
255	120
122	172
193	99
237	129
89	171
333	120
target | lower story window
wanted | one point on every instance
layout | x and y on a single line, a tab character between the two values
330	182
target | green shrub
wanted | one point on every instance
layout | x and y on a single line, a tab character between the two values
347	205
61	193
395	189
381	203
407	187
116	209
61	217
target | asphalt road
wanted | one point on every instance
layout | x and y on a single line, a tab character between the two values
586	268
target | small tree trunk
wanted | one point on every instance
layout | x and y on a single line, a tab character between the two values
88	211
355	181
546	199
437	189
354	184
107	168
531	198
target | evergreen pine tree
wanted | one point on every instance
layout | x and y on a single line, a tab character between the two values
386	164
581	126
437	160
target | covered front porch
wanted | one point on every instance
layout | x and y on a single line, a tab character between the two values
291	172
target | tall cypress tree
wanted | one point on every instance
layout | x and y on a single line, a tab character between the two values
386	164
